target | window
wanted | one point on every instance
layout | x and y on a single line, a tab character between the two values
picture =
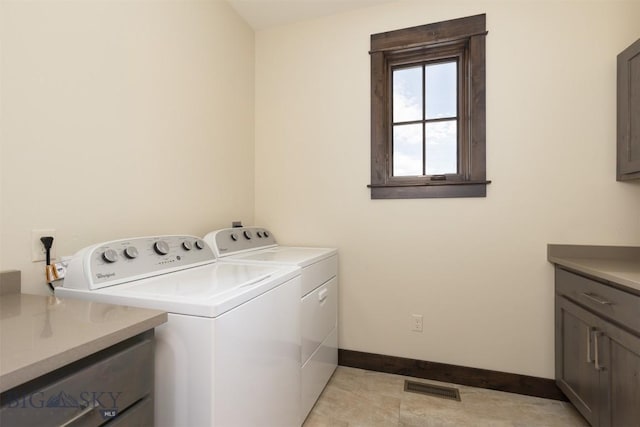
424	119
428	111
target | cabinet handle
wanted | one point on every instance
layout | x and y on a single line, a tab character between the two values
596	358
322	295
589	331
84	412
596	298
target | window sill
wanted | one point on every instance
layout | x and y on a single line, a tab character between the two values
428	190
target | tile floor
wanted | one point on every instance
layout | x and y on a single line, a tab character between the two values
355	397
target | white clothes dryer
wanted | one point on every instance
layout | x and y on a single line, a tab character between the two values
318	298
229	354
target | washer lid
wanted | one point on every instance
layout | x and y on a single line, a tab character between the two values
206	291
290	255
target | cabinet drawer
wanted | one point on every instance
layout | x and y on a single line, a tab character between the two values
615	304
86	393
319	316
139	415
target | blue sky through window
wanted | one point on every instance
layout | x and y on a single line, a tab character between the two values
440	151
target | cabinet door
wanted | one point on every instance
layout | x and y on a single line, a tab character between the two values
629	113
576	374
621	368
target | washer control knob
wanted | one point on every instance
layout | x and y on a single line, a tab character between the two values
200	244
187	246
161	247
265	233
259	234
247	234
131	252
234	236
110	255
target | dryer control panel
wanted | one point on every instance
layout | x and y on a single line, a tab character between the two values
230	241
120	261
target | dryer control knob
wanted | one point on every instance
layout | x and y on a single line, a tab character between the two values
187	246
161	247
200	244
259	234
247	234
110	255
234	236
266	233
131	252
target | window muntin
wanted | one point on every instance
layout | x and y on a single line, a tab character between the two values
425	118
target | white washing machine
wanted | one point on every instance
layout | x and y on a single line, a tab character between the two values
229	354
318	297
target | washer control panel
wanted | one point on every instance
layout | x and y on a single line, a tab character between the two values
121	261
234	240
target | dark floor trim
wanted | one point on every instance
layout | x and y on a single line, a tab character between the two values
484	378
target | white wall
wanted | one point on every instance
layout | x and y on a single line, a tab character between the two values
475	269
122	119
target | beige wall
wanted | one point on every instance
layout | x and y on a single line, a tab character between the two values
475	269
132	118
122	119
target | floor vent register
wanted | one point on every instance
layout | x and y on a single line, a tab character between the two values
432	390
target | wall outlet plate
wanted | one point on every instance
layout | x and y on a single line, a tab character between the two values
416	322
38	252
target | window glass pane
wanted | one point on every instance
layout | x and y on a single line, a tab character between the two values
407	150
441	90
407	94
441	155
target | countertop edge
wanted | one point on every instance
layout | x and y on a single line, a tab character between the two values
584	259
630	285
30	372
562	251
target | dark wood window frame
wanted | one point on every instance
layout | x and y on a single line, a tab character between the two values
463	39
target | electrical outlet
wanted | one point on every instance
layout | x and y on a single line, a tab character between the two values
38	252
416	322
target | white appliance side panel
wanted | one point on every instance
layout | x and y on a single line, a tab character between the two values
317	372
319	316
184	371
257	366
316	274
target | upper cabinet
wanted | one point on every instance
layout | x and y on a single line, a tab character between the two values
629	113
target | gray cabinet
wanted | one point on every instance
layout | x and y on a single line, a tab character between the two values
576	374
598	349
113	386
621	374
629	113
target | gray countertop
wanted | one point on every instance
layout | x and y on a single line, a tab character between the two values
619	265
39	334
